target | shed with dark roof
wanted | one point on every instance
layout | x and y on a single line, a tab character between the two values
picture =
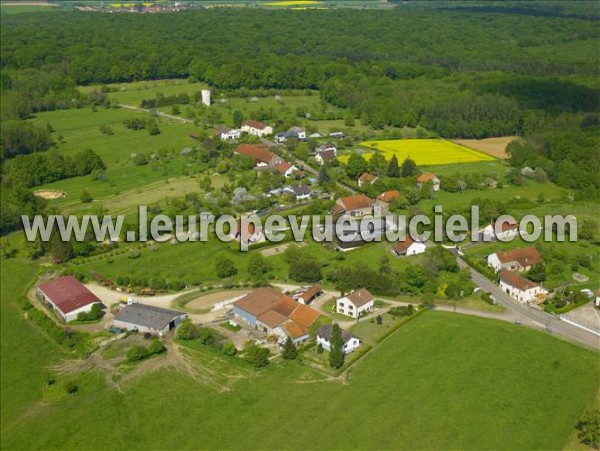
148	318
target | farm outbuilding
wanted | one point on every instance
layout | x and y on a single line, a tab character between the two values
68	297
148	318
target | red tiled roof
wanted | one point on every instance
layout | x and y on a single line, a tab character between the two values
304	315
285	305
355	202
402	246
327	154
255	124
360	297
510	224
311	293
527	256
283	167
426	177
389	196
259	301
258	152
517	281
272	318
366	177
294	330
68	294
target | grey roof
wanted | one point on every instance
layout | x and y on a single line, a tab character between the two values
298	190
325	332
147	316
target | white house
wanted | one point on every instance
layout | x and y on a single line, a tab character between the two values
286	169
301	192
408	247
428	177
325	156
357	206
324	147
367	178
294	132
67	297
324	339
506	230
515	259
521	289
356	303
227	134
256	128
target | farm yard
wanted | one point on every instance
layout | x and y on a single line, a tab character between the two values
425	152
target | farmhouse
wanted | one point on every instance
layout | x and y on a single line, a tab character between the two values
68	297
506	230
260	154
324	339
387	197
367	178
519	288
426	177
294	132
515	259
301	192
356	303
306	295
325	156
275	313
324	147
227	134
357	205
257	128
148	318
408	247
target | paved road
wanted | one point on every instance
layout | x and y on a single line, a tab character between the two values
531	316
159	113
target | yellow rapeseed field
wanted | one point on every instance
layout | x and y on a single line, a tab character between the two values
425	152
293	3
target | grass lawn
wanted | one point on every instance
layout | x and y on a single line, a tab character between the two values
424	151
522	383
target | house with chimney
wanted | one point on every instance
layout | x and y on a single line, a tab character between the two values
355	304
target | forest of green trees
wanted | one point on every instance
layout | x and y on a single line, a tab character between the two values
462	72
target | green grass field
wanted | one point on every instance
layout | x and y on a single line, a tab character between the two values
425	152
429	385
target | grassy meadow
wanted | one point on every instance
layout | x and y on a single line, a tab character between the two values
523	382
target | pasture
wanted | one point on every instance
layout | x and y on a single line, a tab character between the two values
495	147
293	3
524	382
425	152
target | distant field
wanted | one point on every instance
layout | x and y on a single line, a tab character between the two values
293	3
495	147
427	152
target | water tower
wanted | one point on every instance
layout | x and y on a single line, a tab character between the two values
206	97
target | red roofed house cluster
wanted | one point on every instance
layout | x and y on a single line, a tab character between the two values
68	297
275	313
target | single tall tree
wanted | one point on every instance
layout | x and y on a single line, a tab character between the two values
409	168
289	349
336	355
393	170
357	165
323	176
238	118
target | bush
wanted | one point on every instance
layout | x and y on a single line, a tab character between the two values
187	331
85	197
137	353
319	348
588	428
229	348
156	347
71	388
257	356
206	335
140	159
487	297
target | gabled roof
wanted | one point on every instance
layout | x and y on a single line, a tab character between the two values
294	330
527	256
311	292
402	246
283	167
147	316
255	124
298	189
327	154
389	196
426	177
510	224
304	315
517	281
251	228
296	129
68	294
258	301
258	152
366	177
272	318
355	202
325	332
360	297
221	130
323	146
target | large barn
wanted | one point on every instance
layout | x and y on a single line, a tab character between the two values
148	318
68	297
